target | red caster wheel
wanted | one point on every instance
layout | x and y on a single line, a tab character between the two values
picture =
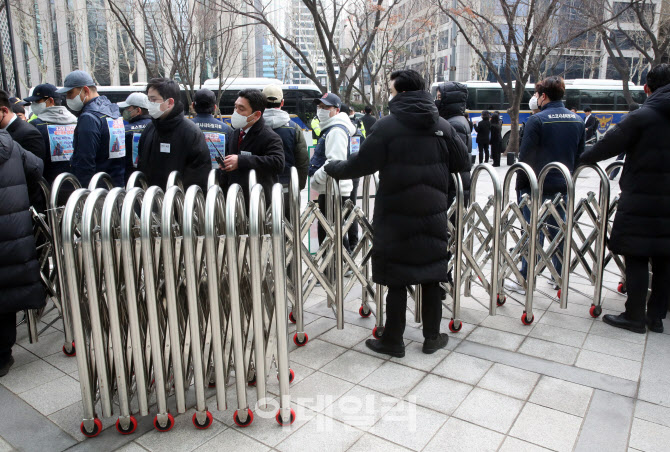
211	384
452	328
501	301
364	314
297	342
167	427
72	352
281	422
595	311
621	288
291	376
131	428
559	294
525	320
252	382
250	419
291	318
208	421
97	428
378	332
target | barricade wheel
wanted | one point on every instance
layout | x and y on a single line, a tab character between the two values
291	318
378	332
72	352
621	288
558	294
131	428
291	376
206	425
595	311
250	418
97	428
525	320
452	328
252	382
501	300
281	422
167	427
363	313
297	341
211	384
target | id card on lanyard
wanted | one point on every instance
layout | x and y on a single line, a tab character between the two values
61	140
117	138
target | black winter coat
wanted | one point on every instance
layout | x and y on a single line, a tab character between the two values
368	121
30	139
415	152
483	129
174	144
642	221
261	150
20	282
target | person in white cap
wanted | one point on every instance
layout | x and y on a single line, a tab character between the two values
136	115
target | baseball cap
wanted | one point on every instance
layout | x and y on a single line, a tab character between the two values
136	100
16	100
42	91
329	99
76	79
273	94
204	98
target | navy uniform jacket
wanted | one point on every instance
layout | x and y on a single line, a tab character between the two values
134	127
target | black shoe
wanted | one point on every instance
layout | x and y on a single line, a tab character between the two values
620	321
655	325
377	346
443	293
5	368
433	345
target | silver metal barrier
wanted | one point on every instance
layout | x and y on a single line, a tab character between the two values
620	265
137	179
174	180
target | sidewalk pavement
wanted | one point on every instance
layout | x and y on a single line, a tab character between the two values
566	382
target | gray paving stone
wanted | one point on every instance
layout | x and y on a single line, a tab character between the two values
316	353
489	409
655	379
371	443
230	440
22	356
31	375
414	357
510	381
562	395
49	343
183	436
653	413
131	447
606	424
5	446
352	366
69	420
559	335
393	379
512	444
62	362
549	350
602	329
319	390
649	437
322	434
495	338
463	368
610	365
457	435
362	348
348	337
508	324
440	394
409	425
53	396
546	427
320	325
566	321
361	407
614	347
300	372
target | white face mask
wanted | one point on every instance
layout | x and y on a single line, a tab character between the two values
533	103
155	109
391	96
323	115
238	121
75	104
38	109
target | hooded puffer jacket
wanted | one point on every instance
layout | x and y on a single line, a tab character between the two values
642	221
414	151
20	282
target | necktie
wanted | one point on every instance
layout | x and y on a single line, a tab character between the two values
239	140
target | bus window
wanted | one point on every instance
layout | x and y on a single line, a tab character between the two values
639	96
472	99
572	99
598	100
488	99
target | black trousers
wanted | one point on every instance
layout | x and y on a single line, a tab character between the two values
352	234
7	336
320	231
637	283
496	150
483	149
396	311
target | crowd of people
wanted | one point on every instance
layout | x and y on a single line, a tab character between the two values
415	149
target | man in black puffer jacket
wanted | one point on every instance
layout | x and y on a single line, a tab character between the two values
415	152
20	282
641	230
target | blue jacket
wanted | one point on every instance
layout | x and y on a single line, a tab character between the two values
91	143
553	135
208	123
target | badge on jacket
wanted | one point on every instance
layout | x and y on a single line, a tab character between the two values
165	147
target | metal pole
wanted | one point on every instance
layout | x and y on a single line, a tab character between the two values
11	44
